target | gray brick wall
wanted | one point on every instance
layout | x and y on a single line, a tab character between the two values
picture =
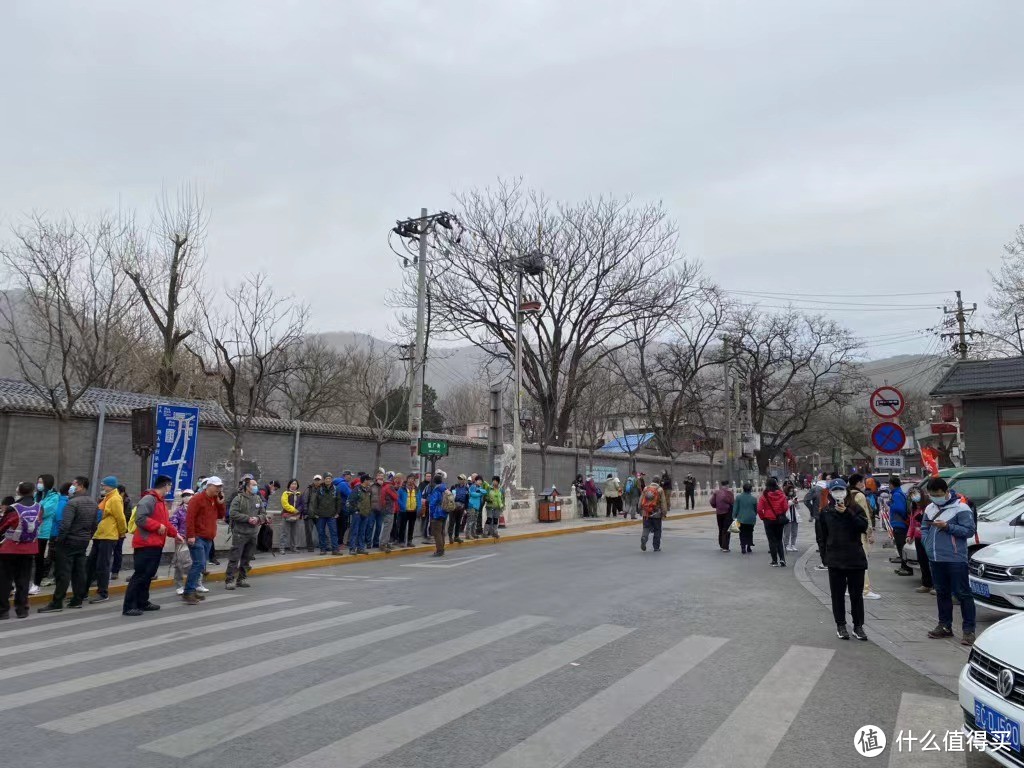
29	447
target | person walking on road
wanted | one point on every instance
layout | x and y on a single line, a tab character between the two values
439	497
899	516
653	508
20	521
914	535
152	527
839	529
111	528
631	496
612	496
495	507
744	512
77	526
201	515
722	500
773	509
946	527
857	497
245	516
690	491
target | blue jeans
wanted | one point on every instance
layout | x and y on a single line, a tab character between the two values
951	579
376	525
325	526
358	527
200	552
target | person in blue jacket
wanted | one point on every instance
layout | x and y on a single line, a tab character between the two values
341	485
477	496
946	526
899	520
49	501
461	513
438	516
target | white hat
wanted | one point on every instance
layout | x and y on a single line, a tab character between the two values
185	492
214	481
318	477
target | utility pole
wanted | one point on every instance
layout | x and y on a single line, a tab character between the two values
961	321
727	408
517	423
416	390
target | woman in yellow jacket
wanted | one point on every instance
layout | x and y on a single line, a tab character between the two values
112	527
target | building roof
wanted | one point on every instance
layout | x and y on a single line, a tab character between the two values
627	443
982	377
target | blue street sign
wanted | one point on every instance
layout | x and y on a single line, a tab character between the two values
177	433
888	437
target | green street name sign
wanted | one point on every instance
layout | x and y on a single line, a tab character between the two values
430	447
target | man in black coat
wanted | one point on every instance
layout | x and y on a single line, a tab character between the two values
839	528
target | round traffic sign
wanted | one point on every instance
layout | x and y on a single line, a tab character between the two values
887	402
888	437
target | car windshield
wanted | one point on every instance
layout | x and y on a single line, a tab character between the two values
1002	506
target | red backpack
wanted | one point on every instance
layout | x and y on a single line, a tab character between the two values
649	499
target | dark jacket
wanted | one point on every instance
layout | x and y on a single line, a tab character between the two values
243	507
323	502
722	500
79	522
838	535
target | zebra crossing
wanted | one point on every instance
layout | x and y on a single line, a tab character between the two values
424	640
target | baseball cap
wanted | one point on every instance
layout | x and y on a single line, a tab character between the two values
214	481
243	478
185	492
837	485
318	477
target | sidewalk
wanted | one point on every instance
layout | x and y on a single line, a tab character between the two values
264	563
899	622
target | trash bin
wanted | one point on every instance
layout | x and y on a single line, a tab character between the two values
549	509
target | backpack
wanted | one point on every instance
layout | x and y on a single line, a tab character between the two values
629	486
649	500
448	500
29	519
132	525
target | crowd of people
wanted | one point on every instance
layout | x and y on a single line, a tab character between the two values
621	497
78	537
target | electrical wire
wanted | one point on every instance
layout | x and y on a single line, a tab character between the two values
855	295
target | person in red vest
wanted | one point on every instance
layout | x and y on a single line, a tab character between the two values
153	526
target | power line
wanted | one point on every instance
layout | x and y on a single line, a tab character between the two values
857	295
834	302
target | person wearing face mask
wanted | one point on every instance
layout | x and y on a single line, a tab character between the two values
245	515
839	529
946	526
48	500
899	513
77	526
856	496
773	509
914	535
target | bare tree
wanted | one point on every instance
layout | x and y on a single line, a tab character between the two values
375	379
1007	301
316	381
466	403
63	314
243	343
164	268
793	366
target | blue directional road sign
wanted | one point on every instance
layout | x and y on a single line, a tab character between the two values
888	437
177	432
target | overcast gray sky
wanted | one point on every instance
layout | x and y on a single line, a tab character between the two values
806	147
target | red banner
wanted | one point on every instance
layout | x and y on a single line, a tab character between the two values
930	459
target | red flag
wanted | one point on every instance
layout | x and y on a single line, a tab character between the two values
930	458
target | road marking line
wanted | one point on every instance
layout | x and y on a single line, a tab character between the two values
377	740
565	739
194	740
93	718
918	714
749	736
107	651
64	621
453	563
87	682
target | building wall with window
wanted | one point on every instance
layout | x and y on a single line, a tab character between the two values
993	430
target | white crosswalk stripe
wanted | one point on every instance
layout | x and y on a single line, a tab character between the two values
917	716
367	745
251	719
138	625
570	735
93	718
202	653
109	651
747	738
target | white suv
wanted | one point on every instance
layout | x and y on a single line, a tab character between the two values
992	689
997	576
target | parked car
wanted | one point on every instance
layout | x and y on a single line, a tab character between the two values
991	689
997	577
980	484
1002	518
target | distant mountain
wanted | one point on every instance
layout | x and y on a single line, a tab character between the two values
916	374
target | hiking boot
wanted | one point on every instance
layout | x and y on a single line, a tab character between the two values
243	584
643	546
229	585
21	613
190	598
858	632
151	607
98	599
967	639
132	612
336	552
459	541
75	604
361	551
199	596
782	563
923	590
50	608
940	631
841	632
903	572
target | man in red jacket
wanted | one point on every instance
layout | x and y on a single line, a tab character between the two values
204	510
153	526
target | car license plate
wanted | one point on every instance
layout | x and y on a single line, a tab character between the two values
997	725
979	588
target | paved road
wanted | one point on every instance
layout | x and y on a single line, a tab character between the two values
577	650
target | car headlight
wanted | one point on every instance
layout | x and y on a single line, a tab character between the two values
1016	572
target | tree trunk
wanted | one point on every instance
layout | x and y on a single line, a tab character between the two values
166	377
376	457
62	447
543	468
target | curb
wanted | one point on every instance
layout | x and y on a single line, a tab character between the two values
331	561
